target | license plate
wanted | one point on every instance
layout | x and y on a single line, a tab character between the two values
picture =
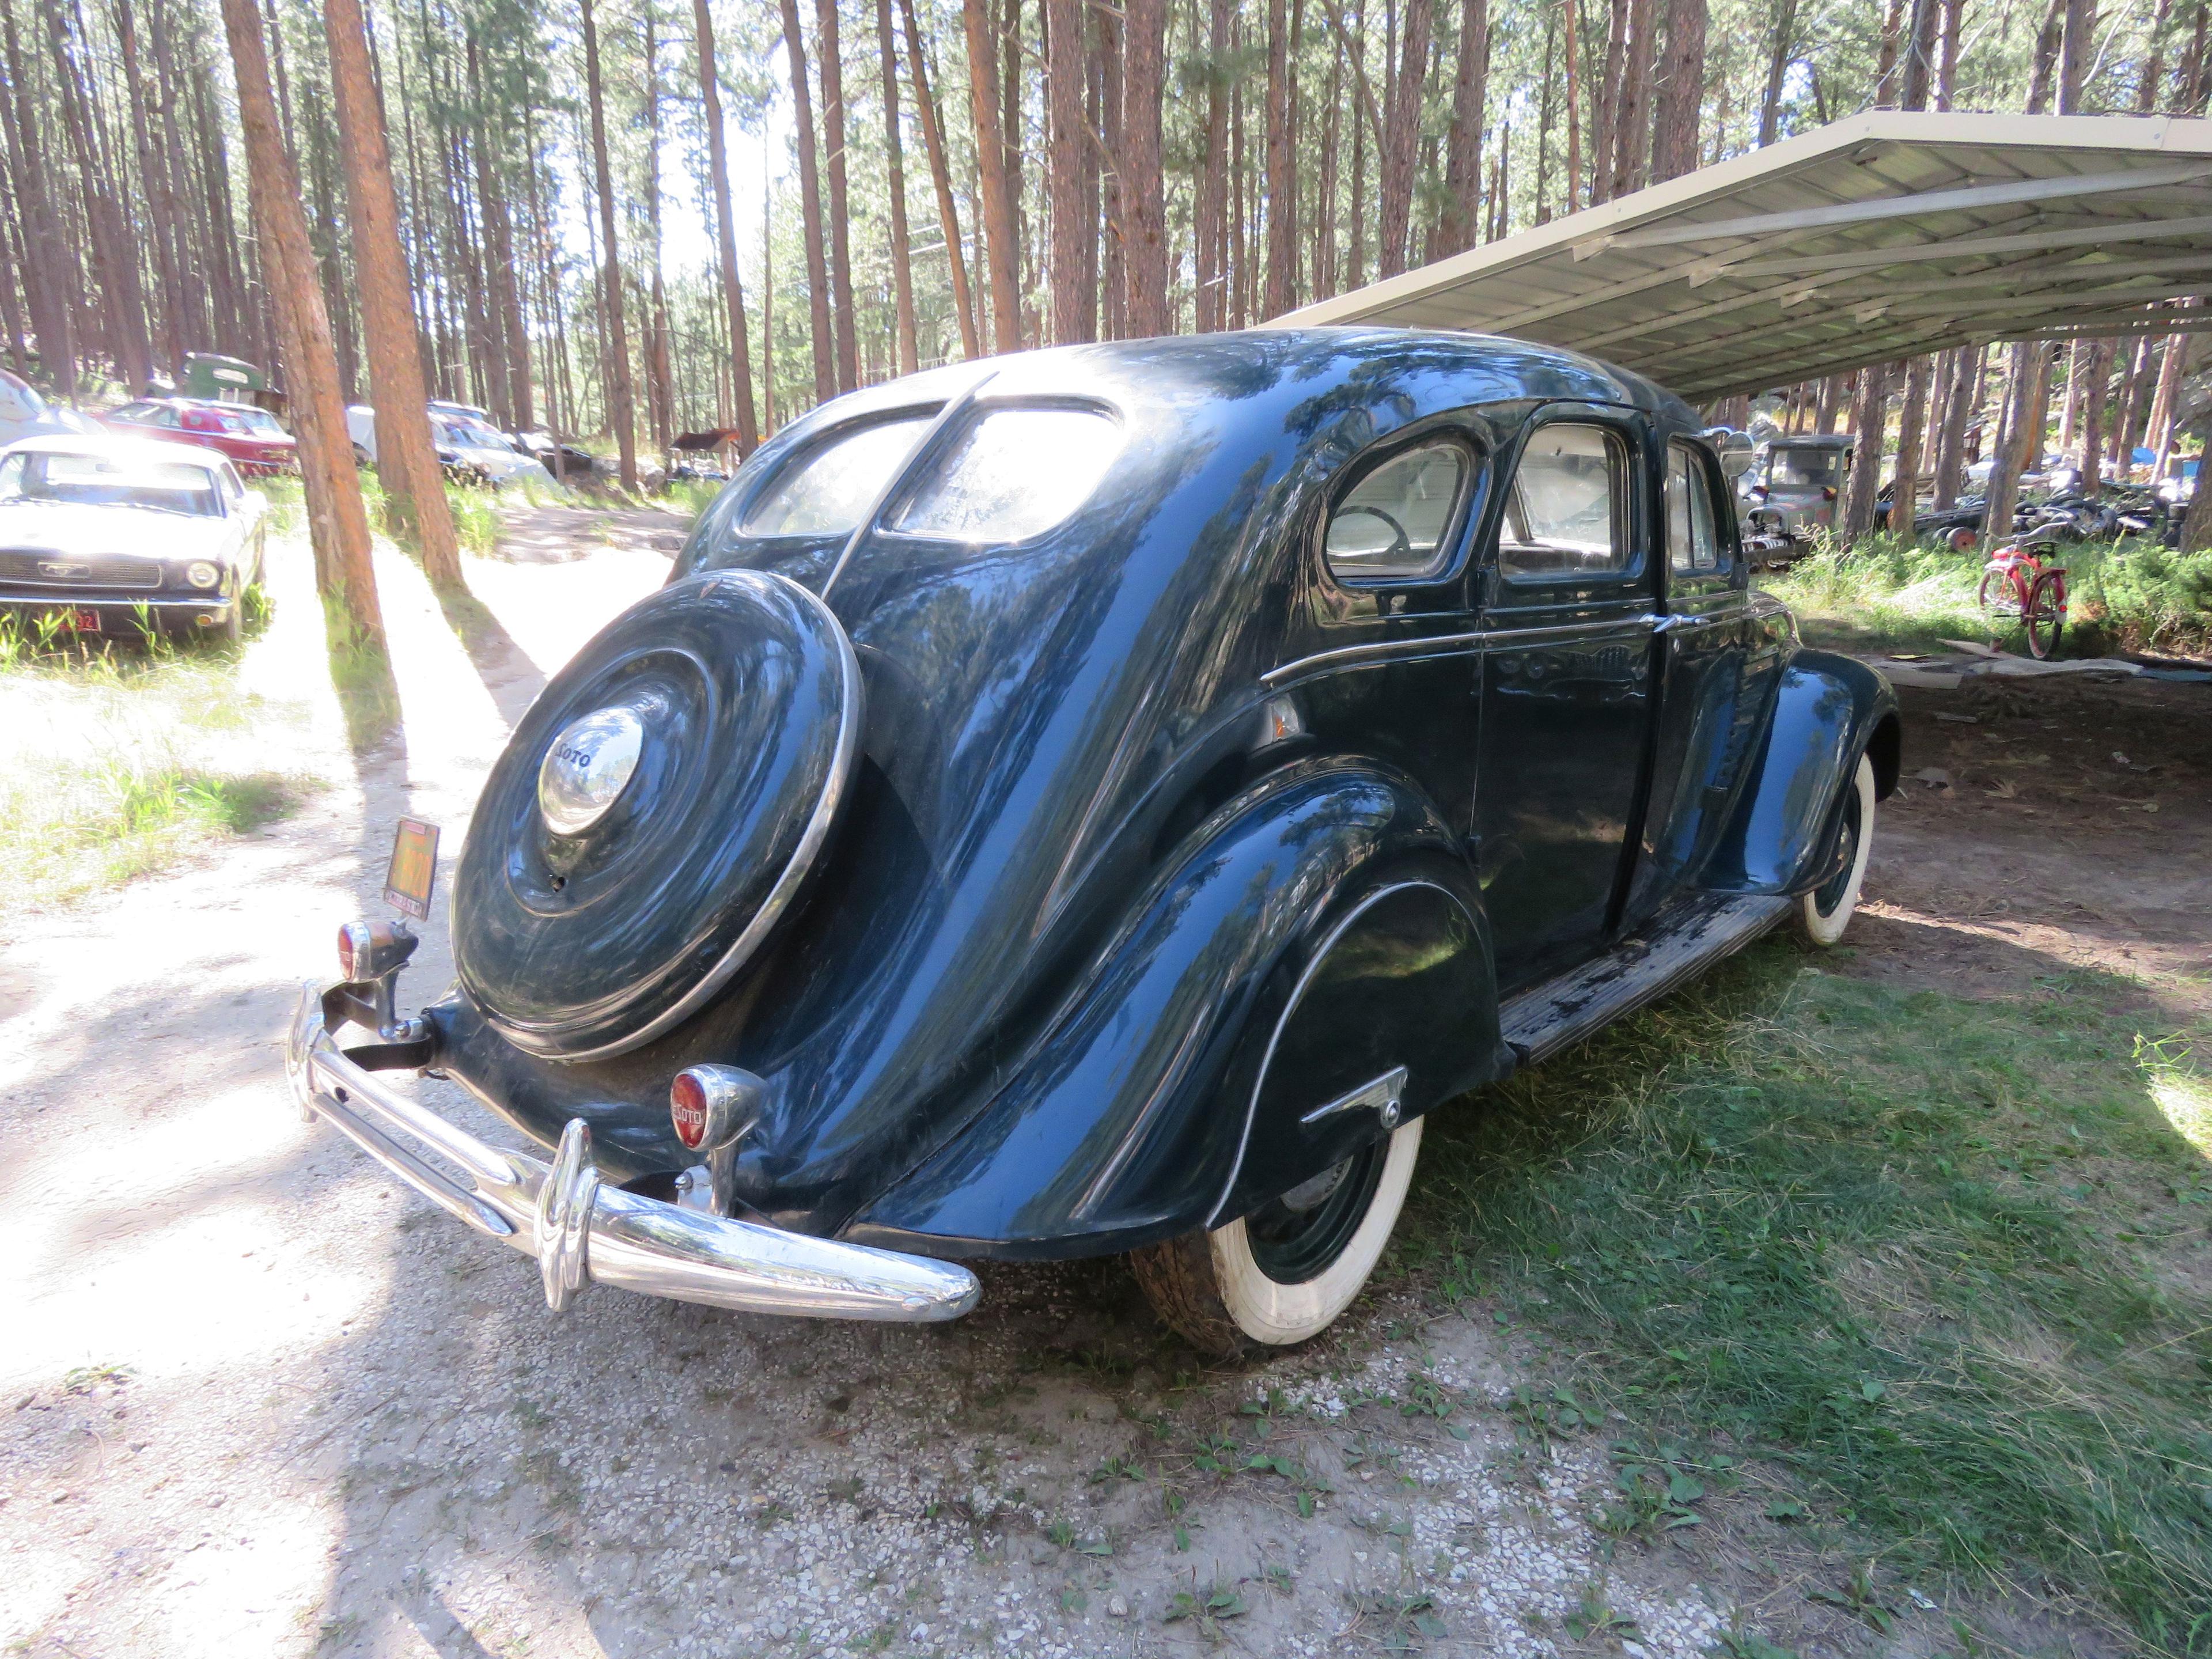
84	622
413	869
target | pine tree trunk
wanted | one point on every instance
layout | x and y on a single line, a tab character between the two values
1143	48
406	460
910	356
1064	80
1572	29
2077	51
1211	184
1463	145
1632	125
1401	141
1904	497
338	523
2095	406
1279	251
506	297
114	258
1674	143
45	280
2022	440
810	205
1605	115
1004	252
621	408
1779	49
940	172
726	225
1864	483
829	60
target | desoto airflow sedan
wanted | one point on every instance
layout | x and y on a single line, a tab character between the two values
1101	800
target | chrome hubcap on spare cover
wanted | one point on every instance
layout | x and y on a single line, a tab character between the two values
587	768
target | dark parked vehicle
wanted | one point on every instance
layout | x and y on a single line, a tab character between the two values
1101	800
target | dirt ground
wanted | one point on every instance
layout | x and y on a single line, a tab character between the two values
256	1400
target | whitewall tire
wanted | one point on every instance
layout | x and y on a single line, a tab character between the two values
1265	1279
1824	913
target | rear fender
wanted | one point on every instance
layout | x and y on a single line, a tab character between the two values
1783	838
1145	1108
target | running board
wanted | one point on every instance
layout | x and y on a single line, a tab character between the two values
1677	945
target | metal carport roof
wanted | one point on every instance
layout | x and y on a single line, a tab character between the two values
1882	236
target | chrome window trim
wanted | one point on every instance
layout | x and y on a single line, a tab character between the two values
1480	640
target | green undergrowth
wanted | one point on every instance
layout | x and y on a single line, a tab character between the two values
1942	1262
1885	594
119	760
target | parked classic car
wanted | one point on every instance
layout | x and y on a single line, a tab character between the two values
249	435
1101	800
111	535
1792	488
470	448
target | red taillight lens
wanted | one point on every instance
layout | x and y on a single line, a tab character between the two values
687	1109
352	948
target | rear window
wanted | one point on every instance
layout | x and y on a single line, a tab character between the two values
100	481
829	490
1013	475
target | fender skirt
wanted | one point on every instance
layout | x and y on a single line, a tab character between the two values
1783	838
1329	899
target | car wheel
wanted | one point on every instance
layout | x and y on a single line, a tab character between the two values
1826	911
1283	1273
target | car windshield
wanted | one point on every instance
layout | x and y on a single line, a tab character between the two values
111	481
246	419
1804	468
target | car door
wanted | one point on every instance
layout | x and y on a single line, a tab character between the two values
1703	719
1566	688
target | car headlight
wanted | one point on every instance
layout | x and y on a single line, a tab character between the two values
201	574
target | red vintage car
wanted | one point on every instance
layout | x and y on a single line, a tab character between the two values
248	435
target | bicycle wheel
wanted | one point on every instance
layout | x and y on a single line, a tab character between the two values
2000	593
2046	613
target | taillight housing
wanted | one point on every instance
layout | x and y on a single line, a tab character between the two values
373	950
711	1106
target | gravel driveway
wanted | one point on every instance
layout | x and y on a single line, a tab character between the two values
259	1400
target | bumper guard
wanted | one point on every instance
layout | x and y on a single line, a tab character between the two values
583	1232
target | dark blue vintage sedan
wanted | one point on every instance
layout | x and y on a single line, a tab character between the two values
1101	800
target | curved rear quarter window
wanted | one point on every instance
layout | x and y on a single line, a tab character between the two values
1013	475
1394	521
829	490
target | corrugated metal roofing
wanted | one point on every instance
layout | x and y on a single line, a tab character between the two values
1882	236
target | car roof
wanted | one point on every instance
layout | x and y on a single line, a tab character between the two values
132	449
1812	440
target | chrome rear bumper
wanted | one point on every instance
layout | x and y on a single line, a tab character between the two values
582	1232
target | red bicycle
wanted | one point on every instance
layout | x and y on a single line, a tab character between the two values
2017	584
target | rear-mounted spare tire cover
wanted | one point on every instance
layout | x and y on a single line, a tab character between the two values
696	752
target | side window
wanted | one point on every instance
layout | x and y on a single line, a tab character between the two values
1566	514
11	476
1396	522
1692	536
827	490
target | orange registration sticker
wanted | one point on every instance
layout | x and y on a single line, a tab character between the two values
414	868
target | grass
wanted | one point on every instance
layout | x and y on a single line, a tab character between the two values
1931	1257
1886	593
121	761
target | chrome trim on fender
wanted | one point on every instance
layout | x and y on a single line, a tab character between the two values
849	720
584	1232
1384	1096
1298	994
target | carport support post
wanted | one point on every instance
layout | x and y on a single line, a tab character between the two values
1868	416
2031	377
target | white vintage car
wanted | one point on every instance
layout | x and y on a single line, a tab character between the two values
117	535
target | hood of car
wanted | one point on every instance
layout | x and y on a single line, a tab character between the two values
70	527
498	463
